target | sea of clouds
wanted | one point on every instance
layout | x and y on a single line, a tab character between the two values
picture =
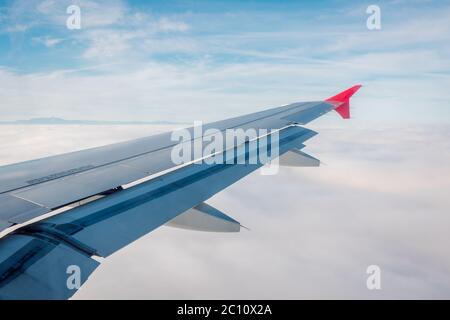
380	198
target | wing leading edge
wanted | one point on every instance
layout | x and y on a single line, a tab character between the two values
35	259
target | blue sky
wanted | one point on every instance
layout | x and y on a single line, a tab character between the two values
377	201
186	60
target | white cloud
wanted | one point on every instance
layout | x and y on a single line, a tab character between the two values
47	41
380	199
156	90
402	83
107	44
168	25
99	13
109	29
17	28
119	42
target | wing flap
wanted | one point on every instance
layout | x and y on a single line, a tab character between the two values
36	267
297	158
203	217
17	210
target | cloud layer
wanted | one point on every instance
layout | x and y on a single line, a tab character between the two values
221	60
381	198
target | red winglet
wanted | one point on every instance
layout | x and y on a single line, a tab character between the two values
342	101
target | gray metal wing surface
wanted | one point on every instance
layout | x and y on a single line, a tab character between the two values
138	189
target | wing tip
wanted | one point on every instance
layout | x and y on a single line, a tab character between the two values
341	101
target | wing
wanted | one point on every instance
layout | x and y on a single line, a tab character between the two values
92	203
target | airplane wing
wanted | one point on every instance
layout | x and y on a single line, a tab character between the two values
60	214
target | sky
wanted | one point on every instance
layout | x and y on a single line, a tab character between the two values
380	197
206	60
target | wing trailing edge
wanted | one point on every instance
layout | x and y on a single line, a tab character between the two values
204	217
297	158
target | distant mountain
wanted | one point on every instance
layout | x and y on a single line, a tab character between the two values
59	121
